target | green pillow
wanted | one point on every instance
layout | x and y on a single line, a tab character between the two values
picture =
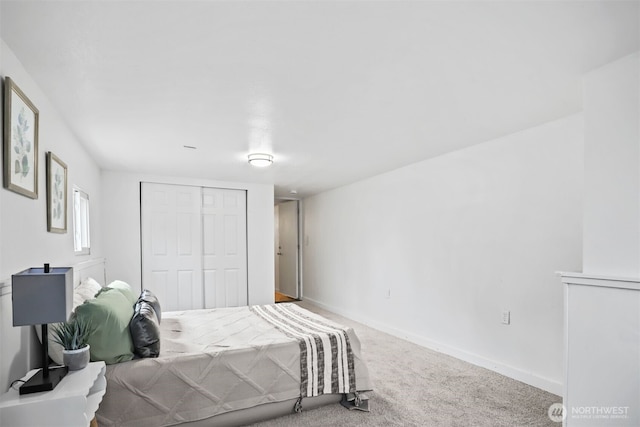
109	313
125	289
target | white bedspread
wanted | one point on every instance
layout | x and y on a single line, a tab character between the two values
211	362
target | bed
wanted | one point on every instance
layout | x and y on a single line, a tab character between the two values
233	366
229	366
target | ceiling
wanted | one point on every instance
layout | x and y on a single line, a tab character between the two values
337	90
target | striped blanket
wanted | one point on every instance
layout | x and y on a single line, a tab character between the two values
326	358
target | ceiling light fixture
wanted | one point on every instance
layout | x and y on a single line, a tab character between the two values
260	160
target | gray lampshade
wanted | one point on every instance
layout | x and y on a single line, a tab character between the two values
40	298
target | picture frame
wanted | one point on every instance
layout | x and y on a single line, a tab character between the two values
56	194
20	141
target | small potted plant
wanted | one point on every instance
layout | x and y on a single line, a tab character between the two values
73	336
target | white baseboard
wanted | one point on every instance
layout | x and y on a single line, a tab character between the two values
526	377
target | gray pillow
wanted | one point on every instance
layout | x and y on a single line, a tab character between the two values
149	297
145	330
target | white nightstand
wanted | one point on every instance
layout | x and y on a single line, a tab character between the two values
72	403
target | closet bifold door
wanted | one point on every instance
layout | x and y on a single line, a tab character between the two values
224	248
171	245
194	250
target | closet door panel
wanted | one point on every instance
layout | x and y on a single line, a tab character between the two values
171	245
225	242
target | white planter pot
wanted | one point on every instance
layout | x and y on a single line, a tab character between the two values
76	359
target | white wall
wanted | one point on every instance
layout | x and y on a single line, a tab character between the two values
24	240
456	240
121	210
612	165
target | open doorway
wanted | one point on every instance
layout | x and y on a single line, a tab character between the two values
287	250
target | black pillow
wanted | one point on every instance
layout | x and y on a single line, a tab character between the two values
149	297
145	330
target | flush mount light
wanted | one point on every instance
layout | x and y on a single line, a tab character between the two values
260	160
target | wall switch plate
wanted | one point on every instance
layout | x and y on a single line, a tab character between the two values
388	294
506	317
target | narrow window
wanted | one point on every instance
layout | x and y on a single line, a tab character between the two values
81	239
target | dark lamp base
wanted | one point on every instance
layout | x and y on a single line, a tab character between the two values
38	382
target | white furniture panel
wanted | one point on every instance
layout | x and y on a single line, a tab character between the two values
73	403
602	351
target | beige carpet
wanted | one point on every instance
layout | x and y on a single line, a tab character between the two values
426	388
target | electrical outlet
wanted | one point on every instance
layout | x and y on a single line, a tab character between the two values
506	317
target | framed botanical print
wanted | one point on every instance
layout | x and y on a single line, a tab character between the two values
56	194
20	141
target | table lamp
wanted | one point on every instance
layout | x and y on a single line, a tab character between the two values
42	296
